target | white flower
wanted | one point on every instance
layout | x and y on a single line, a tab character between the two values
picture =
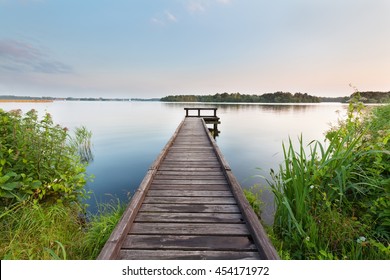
361	239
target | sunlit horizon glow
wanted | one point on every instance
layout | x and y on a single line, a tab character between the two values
153	49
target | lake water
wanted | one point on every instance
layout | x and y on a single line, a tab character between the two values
128	136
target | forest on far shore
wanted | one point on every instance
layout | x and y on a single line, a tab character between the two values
278	97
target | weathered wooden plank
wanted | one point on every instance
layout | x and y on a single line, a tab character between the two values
189	229
191	187
189	242
192	139
179	176
190	182
172	168
193	149
192	193
190	208
186	255
192	161
188	151
161	217
185	172
167	165
193	200
189	136
193	157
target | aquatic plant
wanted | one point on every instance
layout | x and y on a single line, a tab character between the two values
333	199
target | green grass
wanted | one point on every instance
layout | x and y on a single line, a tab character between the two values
56	231
100	227
40	231
333	199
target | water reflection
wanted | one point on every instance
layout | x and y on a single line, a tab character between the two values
229	107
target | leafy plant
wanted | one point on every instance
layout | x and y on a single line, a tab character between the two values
253	196
38	160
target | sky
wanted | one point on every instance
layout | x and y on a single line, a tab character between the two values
146	49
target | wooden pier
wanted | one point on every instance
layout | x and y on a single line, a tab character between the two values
189	205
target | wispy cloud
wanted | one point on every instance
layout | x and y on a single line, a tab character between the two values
164	18
196	6
200	6
170	16
17	56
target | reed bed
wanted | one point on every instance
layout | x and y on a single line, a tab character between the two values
333	199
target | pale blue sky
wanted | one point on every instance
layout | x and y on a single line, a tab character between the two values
139	48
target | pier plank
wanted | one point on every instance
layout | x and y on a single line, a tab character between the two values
189	193
189	217
190	208
186	255
191	187
189	242
189	229
187	200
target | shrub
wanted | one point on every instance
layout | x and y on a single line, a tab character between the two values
38	162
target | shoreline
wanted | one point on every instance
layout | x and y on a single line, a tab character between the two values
25	101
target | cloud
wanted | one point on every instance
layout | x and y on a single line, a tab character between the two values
200	6
164	18
170	16
18	50
196	6
17	56
157	21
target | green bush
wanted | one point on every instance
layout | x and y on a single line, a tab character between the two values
42	178
38	162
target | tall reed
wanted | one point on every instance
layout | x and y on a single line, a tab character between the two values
330	201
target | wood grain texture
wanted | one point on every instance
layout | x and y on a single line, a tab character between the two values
186	255
185	217
191	187
189	242
189	193
190	208
189	229
190	200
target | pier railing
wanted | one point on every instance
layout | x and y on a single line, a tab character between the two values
199	115
210	118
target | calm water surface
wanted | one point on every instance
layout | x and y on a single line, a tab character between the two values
128	136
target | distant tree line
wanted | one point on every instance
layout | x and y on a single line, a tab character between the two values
343	99
277	97
373	96
14	97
